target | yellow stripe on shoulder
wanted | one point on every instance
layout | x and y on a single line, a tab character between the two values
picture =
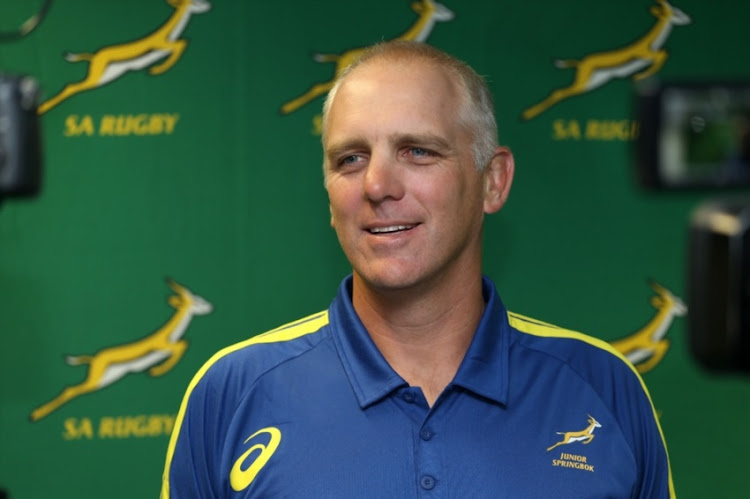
295	329
539	328
287	332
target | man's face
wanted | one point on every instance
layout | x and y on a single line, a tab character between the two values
406	200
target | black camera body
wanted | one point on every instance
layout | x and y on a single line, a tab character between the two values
20	138
719	285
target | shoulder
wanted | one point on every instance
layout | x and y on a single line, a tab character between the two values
244	362
585	360
596	362
617	384
218	387
571	347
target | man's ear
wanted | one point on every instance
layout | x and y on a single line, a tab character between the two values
498	177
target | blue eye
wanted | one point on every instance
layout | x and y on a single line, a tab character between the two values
349	160
421	155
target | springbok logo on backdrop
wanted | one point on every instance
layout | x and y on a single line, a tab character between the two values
428	11
584	436
640	59
158	352
647	347
109	63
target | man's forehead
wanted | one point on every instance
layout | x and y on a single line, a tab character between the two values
381	68
356	127
420	86
394	101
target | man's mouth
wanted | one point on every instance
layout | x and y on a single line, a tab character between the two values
390	229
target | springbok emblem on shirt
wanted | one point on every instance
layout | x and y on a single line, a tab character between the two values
586	435
429	13
158	352
594	70
109	63
646	347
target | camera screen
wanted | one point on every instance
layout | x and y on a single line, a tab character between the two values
703	136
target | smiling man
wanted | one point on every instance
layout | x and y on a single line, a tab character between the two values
416	382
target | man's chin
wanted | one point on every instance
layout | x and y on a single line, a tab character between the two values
388	281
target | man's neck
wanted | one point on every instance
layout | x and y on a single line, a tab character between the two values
424	336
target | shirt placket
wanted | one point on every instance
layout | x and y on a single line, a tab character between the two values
428	470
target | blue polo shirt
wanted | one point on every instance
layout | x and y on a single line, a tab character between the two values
312	409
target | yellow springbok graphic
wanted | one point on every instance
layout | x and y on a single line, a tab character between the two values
429	13
640	59
586	435
109	63
158	352
646	347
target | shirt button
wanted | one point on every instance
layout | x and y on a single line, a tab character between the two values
425	434
408	397
427	482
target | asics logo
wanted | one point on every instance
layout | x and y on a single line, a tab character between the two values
240	478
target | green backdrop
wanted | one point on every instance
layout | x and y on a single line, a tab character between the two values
193	172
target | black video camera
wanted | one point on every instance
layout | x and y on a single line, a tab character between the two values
20	140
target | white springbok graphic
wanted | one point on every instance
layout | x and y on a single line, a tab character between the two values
645	55
109	63
429	13
158	352
646	347
586	435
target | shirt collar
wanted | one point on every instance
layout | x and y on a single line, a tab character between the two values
484	369
370	375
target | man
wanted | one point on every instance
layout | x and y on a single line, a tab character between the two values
416	381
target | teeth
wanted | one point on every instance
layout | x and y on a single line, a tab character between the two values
392	228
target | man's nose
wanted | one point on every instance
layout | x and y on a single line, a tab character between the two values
383	179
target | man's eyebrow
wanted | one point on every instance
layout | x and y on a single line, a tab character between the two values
339	148
420	139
